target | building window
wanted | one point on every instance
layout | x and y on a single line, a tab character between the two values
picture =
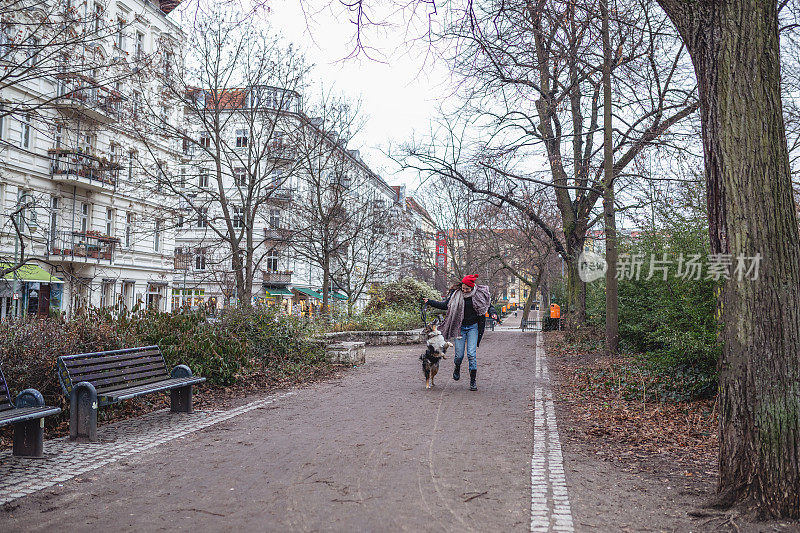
202	217
274	218
157	236
238	217
139	50
202	180
169	57
109	222
98	16
54	205
107	293
31	51
272	262
6	30
135	104
128	230
241	138
85	223
128	293
240	177
131	162
2	116
25	131
180	221
205	139
200	259
120	34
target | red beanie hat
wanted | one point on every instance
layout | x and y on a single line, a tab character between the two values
470	280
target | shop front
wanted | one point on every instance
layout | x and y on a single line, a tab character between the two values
278	297
306	302
29	290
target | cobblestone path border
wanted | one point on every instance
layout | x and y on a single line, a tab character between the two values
65	459
550	509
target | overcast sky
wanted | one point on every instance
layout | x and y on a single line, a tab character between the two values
400	90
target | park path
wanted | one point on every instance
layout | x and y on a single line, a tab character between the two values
371	450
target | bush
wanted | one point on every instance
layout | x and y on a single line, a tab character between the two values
257	344
672	322
391	307
386	320
405	294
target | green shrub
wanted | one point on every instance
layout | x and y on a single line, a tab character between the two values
672	322
406	294
242	344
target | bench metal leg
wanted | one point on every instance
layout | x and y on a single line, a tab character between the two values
83	413
181	400
29	438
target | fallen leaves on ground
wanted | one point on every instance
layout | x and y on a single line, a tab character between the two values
630	430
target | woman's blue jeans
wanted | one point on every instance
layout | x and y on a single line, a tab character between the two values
469	338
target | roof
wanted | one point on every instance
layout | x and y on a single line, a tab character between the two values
277	291
308	292
411	203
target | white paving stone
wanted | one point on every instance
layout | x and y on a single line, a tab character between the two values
550	509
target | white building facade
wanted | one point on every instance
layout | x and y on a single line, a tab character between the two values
71	156
283	273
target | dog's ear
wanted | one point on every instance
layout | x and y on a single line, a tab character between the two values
436	321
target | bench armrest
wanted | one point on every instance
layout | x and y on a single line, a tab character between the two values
29	398
181	371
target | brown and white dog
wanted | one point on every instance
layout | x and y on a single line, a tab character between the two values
437	347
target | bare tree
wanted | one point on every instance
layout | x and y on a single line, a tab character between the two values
514	53
239	94
365	260
338	205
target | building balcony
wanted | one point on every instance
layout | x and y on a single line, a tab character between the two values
276	234
281	150
83	170
82	247
96	104
280	194
278	277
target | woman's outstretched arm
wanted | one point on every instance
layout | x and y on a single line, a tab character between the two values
438	304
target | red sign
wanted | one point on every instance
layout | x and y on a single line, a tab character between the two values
441	250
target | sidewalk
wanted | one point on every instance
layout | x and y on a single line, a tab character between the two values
372	450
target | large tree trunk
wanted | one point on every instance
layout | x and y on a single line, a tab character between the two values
576	287
612	305
734	48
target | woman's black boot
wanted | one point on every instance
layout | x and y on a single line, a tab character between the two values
472	384
457	371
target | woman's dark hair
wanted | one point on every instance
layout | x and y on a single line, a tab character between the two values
454	287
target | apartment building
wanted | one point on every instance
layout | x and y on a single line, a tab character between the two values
73	153
276	189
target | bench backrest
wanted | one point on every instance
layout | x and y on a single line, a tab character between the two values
113	370
5	396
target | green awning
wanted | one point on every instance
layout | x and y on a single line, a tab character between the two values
339	296
309	292
29	273
275	291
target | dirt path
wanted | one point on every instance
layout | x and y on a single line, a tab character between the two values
372	450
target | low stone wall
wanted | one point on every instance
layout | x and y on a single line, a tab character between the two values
354	353
378	338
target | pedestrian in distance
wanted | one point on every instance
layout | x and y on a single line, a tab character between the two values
465	320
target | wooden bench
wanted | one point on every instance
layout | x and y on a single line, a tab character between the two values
27	414
531	324
92	380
